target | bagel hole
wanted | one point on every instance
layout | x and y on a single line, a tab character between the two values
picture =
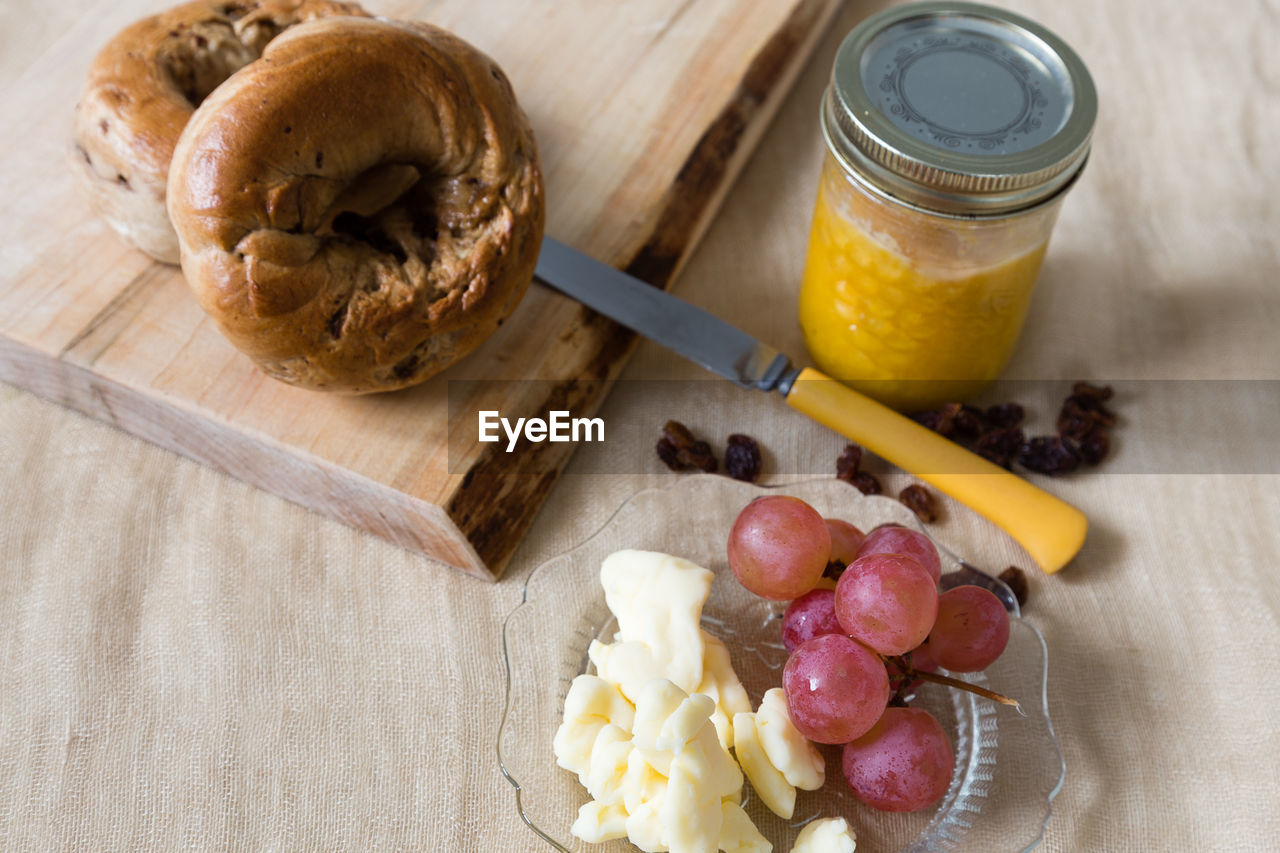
390	208
200	58
407	215
366	229
424	224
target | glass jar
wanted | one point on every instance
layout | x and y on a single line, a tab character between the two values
953	132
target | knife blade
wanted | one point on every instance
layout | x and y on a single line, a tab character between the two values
1050	529
698	335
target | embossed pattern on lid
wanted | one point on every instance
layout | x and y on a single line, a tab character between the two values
959	108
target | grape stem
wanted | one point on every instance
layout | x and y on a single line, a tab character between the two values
904	665
964	685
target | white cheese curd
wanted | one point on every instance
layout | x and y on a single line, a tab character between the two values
591	704
826	835
691	816
770	785
598	822
788	750
644	826
657	600
738	834
641	783
685	723
655	704
609	756
721	683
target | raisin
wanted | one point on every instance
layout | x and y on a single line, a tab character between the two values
866	482
932	420
941	420
947	419
847	469
680	451
847	463
1016	580
1080	414
969	421
702	458
742	458
953	420
1004	415
1095	446
677	433
1048	454
1000	446
669	454
1073	421
920	500
1101	393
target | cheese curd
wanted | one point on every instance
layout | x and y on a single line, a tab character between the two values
786	748
657	600
769	784
826	835
721	683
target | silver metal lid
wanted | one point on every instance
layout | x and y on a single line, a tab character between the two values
959	108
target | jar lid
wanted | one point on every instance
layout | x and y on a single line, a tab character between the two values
959	108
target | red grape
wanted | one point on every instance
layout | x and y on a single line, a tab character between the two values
904	763
811	615
835	688
779	547
887	601
922	656
903	540
971	630
845	540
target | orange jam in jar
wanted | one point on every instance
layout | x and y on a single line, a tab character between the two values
953	132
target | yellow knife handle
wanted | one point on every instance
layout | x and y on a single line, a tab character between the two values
1049	528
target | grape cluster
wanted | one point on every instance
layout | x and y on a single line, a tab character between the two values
857	646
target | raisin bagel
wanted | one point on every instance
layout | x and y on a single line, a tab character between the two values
144	85
362	206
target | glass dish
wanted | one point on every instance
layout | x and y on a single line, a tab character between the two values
1008	765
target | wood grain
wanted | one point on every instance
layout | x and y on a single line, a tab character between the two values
644	112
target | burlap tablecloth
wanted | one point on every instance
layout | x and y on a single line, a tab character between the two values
187	662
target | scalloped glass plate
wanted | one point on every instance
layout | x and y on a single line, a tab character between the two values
1008	765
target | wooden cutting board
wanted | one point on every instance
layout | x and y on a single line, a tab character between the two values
644	113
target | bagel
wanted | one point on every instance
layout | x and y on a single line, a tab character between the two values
362	206
141	90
